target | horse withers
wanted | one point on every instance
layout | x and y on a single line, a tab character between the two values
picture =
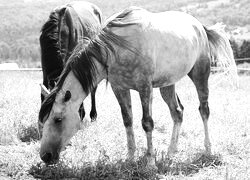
136	50
66	26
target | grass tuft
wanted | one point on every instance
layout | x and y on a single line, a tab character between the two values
28	134
172	167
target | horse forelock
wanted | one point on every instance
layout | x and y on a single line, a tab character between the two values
47	106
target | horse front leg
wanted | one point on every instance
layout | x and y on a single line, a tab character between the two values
124	100
93	113
146	96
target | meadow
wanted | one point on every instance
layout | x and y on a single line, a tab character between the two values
98	151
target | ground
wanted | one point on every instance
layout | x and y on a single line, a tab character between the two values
98	151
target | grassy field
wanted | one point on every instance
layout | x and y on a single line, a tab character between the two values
98	151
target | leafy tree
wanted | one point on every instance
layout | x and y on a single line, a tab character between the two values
245	49
235	48
4	50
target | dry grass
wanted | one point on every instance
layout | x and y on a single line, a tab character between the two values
98	151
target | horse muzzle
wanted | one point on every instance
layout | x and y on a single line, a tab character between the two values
49	153
50	157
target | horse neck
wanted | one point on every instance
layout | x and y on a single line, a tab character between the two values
72	84
102	63
101	70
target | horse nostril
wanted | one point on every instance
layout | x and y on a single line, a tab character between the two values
47	157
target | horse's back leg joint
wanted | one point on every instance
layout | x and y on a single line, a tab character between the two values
204	110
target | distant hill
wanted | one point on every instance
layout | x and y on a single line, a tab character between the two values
21	20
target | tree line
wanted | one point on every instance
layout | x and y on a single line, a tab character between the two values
242	49
20	27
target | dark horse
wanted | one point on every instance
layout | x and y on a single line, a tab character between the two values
66	26
139	50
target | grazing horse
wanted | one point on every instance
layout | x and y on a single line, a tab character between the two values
66	26
139	50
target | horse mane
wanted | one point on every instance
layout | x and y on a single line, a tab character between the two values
81	62
89	29
122	19
51	24
50	48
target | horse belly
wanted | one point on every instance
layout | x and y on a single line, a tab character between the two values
169	73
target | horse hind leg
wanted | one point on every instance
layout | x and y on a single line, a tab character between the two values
199	75
176	110
124	100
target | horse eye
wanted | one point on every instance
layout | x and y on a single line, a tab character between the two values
67	96
58	120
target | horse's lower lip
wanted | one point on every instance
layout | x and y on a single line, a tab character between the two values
52	162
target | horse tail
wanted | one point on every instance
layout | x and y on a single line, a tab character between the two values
220	50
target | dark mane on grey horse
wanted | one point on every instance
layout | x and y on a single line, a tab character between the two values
121	17
51	60
81	62
49	30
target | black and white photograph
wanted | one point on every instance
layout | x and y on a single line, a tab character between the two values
125	90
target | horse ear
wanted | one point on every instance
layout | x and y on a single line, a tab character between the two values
44	90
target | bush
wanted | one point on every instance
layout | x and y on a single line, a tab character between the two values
28	134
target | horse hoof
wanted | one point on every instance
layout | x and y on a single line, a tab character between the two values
171	152
151	167
93	119
150	163
93	116
208	151
131	158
